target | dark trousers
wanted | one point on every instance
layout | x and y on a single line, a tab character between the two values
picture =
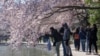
77	44
94	44
68	48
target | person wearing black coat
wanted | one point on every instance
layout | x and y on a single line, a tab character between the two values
57	39
93	39
88	36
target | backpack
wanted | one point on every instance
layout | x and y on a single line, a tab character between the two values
76	36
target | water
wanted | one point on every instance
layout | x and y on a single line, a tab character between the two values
39	50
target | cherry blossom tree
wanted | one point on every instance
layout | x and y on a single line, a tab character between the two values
30	18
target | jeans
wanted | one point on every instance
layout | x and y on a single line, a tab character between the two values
64	48
57	48
69	52
83	44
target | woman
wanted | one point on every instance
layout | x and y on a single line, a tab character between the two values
77	39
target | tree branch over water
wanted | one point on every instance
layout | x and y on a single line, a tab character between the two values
77	7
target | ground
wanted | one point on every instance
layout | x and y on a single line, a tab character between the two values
75	53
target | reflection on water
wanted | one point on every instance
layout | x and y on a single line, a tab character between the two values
39	50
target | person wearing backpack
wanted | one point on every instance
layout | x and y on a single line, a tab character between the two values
77	39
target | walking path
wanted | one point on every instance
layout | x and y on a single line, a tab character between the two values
75	53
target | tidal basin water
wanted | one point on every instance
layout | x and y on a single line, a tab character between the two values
39	50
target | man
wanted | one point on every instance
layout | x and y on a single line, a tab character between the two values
82	35
88	35
57	39
65	34
93	39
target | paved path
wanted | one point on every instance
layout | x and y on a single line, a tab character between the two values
76	53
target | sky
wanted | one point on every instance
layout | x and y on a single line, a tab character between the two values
22	1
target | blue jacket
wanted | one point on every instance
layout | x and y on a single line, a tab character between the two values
82	35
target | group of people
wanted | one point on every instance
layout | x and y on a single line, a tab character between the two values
62	37
86	37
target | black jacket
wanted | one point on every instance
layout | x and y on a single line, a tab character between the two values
88	33
56	35
94	34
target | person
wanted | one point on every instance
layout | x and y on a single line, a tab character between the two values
93	39
61	31
57	39
82	35
88	35
65	32
46	37
77	39
49	45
